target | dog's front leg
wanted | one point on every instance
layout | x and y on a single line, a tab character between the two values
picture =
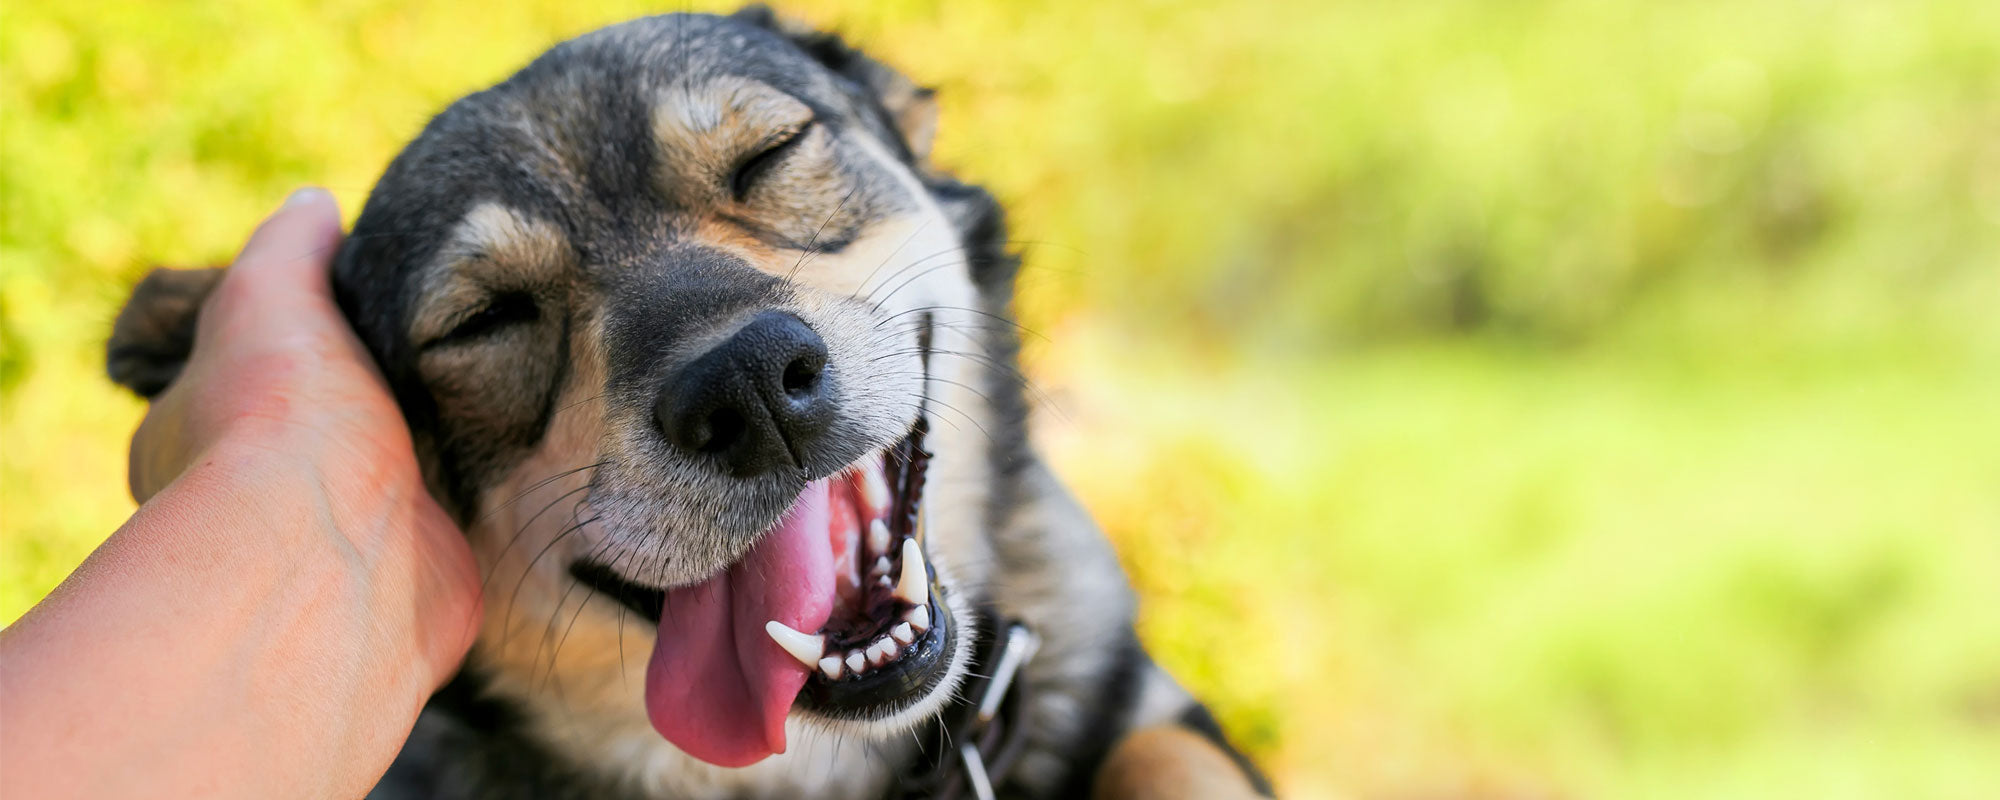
1170	761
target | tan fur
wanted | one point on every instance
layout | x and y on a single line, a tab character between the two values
1169	762
733	239
493	248
708	128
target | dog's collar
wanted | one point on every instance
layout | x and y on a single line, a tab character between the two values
981	734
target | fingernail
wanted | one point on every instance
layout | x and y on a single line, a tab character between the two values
306	195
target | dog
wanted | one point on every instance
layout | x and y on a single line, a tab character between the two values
718	374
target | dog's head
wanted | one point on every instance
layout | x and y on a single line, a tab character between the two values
703	356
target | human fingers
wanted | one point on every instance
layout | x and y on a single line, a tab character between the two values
276	296
279	282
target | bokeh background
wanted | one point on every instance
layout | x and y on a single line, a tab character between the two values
1544	398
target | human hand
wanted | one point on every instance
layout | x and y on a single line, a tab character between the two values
278	383
271	620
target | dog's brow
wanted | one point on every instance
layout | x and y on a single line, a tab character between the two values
725	103
704	128
508	249
495	231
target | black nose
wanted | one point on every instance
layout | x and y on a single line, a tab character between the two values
757	402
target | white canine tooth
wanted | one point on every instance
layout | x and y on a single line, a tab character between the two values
805	647
881	566
874	487
856	661
902	633
913	587
878	537
919	618
881	652
831	666
884	582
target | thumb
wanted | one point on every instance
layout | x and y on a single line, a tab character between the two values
303	231
280	276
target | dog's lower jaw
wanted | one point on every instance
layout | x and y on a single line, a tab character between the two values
968	630
573	662
612	751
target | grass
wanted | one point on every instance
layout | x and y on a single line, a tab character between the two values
1548	398
1475	571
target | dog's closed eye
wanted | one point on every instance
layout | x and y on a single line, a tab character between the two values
505	310
764	159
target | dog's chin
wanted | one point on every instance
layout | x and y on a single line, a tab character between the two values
897	642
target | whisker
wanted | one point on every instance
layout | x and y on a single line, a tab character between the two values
502	555
530	569
968	418
809	252
1014	377
573	584
537	485
987	314
869	295
890	257
877	305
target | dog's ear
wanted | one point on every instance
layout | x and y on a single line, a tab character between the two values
154	333
908	109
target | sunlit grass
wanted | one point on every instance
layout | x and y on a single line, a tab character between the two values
1476	569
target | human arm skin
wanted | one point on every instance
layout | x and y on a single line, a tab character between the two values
272	619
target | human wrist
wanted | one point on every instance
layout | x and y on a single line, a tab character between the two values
331	521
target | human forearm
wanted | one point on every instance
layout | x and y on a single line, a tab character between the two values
224	643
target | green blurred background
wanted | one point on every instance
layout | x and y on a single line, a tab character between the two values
1549	398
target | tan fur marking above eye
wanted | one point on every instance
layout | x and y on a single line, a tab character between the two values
493	247
1169	761
705	129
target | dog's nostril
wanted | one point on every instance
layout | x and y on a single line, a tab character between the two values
801	377
718	431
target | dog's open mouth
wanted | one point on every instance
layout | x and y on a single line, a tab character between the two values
835	609
887	634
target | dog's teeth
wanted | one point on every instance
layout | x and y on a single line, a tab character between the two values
902	633
856	661
831	666
874	488
881	566
884	582
881	652
913	586
805	647
878	537
919	618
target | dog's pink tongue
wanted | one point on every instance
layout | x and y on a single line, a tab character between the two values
718	687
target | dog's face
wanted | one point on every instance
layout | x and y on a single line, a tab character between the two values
716	374
691	343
